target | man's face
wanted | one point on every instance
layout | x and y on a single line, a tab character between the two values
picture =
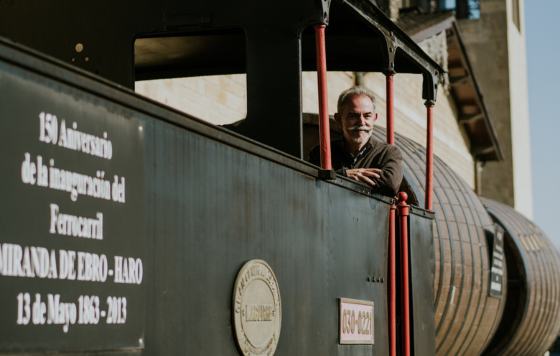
357	119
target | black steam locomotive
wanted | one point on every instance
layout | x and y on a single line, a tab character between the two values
128	228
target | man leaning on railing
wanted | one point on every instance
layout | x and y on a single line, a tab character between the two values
358	155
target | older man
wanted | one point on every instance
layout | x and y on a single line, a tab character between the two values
358	155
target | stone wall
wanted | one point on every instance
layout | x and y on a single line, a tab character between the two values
219	99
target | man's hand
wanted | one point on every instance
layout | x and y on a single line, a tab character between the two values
365	175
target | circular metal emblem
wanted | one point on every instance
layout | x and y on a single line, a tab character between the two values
257	310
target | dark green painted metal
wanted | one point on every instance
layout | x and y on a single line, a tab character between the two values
202	202
322	242
421	278
26	209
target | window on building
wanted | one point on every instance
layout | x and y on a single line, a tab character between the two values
464	9
515	15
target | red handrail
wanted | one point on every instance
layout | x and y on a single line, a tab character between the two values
403	217
392	217
429	154
392	282
324	129
389	89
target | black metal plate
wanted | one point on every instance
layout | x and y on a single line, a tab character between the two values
422	281
30	212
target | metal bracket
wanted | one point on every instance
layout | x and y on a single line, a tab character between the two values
325	8
327	174
391	41
430	85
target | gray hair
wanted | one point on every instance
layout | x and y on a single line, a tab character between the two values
354	91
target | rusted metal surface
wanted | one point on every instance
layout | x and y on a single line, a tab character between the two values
530	323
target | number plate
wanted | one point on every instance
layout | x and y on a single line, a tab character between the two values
355	322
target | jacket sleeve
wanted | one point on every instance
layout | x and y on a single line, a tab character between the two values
392	175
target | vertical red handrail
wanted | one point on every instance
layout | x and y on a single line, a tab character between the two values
392	224
324	129
389	88
429	154
403	217
392	282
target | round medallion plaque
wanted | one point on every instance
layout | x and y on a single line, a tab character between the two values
257	310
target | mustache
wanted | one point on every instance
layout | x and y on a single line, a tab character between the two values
359	128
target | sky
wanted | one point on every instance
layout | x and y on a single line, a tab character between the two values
543	57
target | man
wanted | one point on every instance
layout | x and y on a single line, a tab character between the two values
358	155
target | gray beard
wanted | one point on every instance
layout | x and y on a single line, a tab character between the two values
362	129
